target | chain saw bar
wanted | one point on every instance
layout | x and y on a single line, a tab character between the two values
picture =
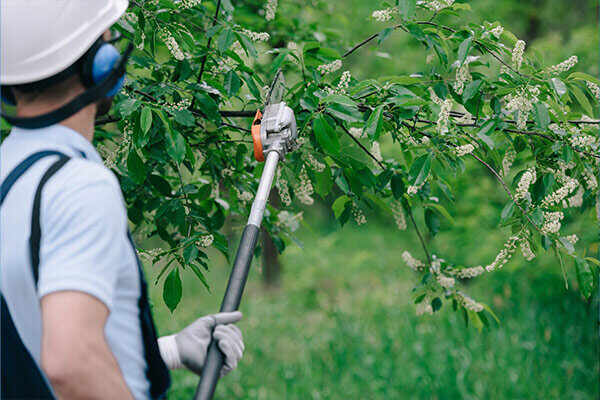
274	130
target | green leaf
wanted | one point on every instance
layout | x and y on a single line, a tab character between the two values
432	221
126	107
558	86
172	289
537	216
486	129
325	135
175	145
375	123
339	205
567	245
442	211
190	253
508	210
247	45
397	185
463	49
384	34
232	83
200	275
136	168
184	117
146	119
584	275
225	40
344	112
407	8
436	304
471	89
541	116
582	76
582	99
419	170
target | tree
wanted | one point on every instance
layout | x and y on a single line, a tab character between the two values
185	163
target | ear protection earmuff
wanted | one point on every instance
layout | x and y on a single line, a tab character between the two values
102	72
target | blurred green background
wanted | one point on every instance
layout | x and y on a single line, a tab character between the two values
340	323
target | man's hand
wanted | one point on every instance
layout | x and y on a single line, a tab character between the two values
188	348
75	355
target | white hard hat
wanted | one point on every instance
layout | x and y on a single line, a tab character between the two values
41	38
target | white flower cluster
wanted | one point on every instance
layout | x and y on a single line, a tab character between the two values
526	250
497	32
582	141
149	255
594	89
313	162
467	273
551	222
181	105
557	196
226	172
464	150
270	10
517	54
185	4
283	188
467	118
444	116
573	239
358	215
504	255
330	67
256	36
563	66
590	180
577	199
288	220
522	103
304	189
413	189
508	160
438	5
462	78
424	307
430	58
376	151
171	43
527	179
206	241
214	192
384	15
445	281
243	196
140	45
342	86
398	213
468	303
357	133
412	262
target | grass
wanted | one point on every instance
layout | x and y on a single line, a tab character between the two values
341	326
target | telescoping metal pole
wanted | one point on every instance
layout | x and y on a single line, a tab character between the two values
239	274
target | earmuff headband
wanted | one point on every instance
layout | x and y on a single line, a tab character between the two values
94	93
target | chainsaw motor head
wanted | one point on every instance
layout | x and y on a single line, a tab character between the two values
274	130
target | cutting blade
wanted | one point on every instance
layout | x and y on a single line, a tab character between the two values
276	90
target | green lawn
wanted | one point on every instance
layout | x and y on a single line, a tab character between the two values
341	326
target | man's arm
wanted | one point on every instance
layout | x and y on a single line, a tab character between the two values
75	355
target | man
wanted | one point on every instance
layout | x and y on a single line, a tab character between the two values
75	317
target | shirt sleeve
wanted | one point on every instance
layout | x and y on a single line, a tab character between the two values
84	228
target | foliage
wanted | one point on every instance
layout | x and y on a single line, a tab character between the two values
186	165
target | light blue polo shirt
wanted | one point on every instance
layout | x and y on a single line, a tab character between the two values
84	245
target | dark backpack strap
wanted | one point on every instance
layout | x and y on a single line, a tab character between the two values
157	371
36	232
20	169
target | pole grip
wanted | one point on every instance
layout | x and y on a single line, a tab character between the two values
231	302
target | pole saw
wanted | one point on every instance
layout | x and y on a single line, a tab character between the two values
274	133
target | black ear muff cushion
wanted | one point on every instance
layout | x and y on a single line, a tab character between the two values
87	63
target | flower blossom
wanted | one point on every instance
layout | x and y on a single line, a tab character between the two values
526	250
358	215
412	262
594	89
206	241
283	188
330	67
464	150
270	10
551	222
517	55
398	213
590	180
466	273
384	15
256	36
288	220
304	189
497	32
438	5
468	303
527	179
424	307
171	43
563	66
557	196
504	255
445	281
508	160
462	78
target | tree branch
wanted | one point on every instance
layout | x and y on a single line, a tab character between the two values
419	234
360	144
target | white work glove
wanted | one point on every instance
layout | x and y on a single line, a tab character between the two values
188	348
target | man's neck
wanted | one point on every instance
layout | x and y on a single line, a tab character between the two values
81	122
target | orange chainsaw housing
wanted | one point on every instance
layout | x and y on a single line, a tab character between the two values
258	148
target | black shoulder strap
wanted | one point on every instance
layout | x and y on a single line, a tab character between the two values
20	169
36	232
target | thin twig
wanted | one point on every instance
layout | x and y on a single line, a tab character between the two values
187	203
360	145
419	234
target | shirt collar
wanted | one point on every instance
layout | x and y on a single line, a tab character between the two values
62	135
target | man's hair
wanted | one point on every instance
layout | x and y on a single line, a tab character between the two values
56	92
